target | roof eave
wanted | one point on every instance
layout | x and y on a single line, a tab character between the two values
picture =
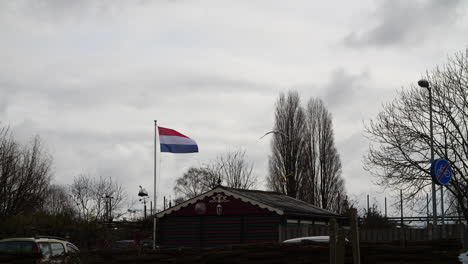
217	190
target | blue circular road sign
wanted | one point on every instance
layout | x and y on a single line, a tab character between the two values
441	171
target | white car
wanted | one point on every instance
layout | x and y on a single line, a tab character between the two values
463	258
320	239
54	249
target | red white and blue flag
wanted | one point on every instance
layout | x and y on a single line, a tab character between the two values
175	142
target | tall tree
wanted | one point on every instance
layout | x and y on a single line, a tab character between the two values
305	163
24	175
323	185
285	165
400	152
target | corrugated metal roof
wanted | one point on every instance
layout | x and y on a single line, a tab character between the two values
282	202
273	201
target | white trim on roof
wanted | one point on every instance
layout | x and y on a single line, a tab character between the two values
218	190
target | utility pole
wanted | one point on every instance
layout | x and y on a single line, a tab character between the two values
108	204
427	209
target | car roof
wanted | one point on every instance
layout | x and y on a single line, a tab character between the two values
18	239
32	239
311	238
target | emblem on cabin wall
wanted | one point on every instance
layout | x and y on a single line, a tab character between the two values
219	198
200	208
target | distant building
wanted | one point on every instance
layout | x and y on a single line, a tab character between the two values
234	216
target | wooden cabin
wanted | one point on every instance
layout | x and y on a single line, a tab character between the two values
233	216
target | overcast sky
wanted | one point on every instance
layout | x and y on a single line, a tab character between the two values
90	77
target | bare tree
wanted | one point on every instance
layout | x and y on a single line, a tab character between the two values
108	196
24	175
233	168
323	185
286	168
58	202
195	182
82	196
400	153
97	198
230	169
305	163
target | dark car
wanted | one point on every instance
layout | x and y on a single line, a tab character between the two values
39	249
147	244
125	244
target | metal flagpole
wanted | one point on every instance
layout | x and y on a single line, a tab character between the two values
154	195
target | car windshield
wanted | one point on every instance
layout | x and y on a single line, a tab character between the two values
17	246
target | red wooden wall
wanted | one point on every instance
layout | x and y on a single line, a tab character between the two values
240	222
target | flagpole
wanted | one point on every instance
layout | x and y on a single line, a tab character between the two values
154	195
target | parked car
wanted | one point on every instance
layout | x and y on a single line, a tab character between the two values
147	244
42	248
463	258
125	244
318	239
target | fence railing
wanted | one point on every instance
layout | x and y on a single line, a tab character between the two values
382	234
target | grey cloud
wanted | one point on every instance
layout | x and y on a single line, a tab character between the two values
133	91
401	21
96	138
58	10
342	87
3	105
349	147
125	157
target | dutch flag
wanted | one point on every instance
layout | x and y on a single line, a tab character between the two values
175	142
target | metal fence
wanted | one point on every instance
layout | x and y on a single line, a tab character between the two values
383	234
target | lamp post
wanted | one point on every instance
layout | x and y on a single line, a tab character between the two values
425	84
144	195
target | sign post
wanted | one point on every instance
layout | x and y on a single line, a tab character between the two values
441	173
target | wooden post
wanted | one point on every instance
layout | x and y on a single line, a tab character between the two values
332	242
385	207
368	208
355	237
464	236
144	206
340	246
402	229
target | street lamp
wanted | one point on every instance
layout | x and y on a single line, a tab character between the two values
425	84
144	195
